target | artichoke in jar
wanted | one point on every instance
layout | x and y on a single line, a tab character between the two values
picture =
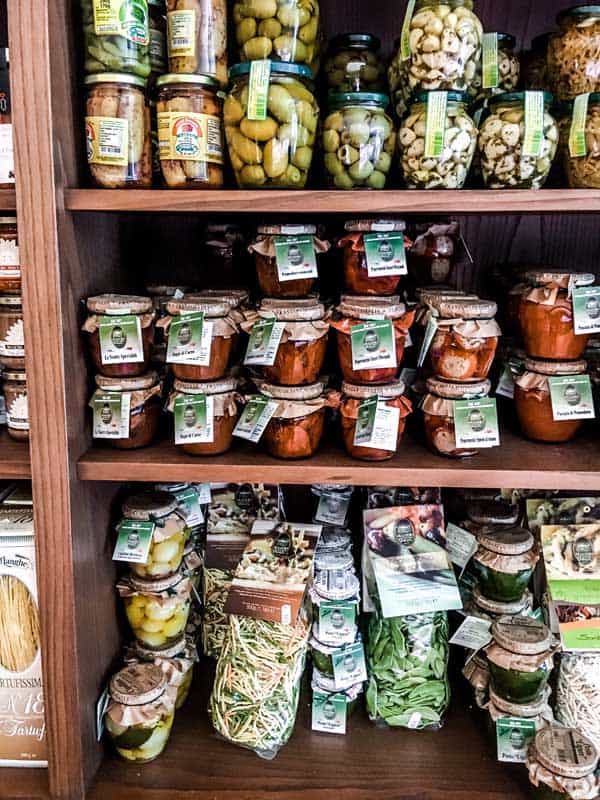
117	42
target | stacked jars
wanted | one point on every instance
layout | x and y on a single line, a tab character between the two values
12	341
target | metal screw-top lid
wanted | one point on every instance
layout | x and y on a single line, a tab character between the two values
146	381
309	392
522	635
463	307
210	307
492	512
371	308
149	505
287	230
156	585
526	710
292	310
138	684
168	651
221	386
375	225
500	609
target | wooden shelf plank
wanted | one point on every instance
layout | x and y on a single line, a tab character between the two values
8	200
233	201
518	463
23	783
14	458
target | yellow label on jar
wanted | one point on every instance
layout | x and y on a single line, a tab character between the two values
186	136
128	18
107	140
181	33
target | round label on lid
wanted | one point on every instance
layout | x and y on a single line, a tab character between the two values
149	505
565	751
138	684
522	635
507	541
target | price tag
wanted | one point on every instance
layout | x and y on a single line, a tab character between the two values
474	633
533	136
258	90
194	418
577	143
514	736
121	339
430	332
491	75
476	423
586	309
571	397
373	345
190	338
189	505
349	665
337	622
328	712
377	425
264	342
385	254
332	509
111	414
405	35
255	418
134	539
435	125
460	544
295	257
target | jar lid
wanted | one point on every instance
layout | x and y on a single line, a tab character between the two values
327	684
138	684
310	391
425	291
277	67
555	367
375	225
148	505
119	304
463	307
500	609
458	391
146	381
158	290
507	39
167	651
195	303
387	392
371	308
197	80
11	300
578	11
221	386
366	41
114	77
514	97
453	97
291	310
286	230
9	375
156	585
507	541
543	276
492	512
565	751
341	558
526	710
339	99
522	635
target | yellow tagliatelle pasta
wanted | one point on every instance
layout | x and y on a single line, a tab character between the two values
19	625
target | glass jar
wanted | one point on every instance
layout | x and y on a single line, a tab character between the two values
371	342
573	65
366	279
449	170
158	38
504	561
331	504
583	172
169	535
501	139
485	513
157	610
17	409
326	684
538	712
282	30
275	152
433	253
356	416
223	336
561	764
139	401
438	414
176	662
485	608
213	435
224	255
464	344
303	342
295	429
10	263
445	46
358	140
117	37
354	65
120	330
509	66
546	315
397	73
190	139
520	658
534	404
12	341
295	276
197	38
117	131
7	155
534	64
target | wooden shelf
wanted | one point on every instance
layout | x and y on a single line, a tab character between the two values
14	458
8	200
23	784
517	463
232	201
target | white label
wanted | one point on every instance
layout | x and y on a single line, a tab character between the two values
2	410
474	633
204	495
430	332
383	431
460	544
506	384
111	416
332	509
414	721
101	707
9	256
7	155
13	343
17	413
264	342
255	418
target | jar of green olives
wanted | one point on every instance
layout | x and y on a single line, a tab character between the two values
169	532
354	64
358	140
117	37
272	146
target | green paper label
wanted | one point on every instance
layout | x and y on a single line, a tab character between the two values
189	505
127	18
491	73
460	544
332	509
577	143
571	397
190	339
255	418
430	332
435	125
373	345
295	257
405	35
121	339
473	633
134	539
349	666
377	425
328	712
533	137
385	254
194	418
506	384
337	622
513	738
204	493
258	90
586	309
264	342
111	414
476	423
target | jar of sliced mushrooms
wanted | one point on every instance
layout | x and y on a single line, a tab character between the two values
439	159
514	153
507	68
574	53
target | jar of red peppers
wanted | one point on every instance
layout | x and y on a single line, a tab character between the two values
205	414
433	253
374	253
438	413
126	411
371	335
533	400
10	265
285	257
369	430
120	332
546	314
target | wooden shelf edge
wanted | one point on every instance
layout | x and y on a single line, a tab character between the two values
8	200
24	783
14	458
401	201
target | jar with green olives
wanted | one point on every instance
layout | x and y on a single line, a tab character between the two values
282	30
354	64
117	36
358	140
275	152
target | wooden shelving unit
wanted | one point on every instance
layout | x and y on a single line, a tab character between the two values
14	458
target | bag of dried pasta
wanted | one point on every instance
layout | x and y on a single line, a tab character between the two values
215	588
257	684
578	694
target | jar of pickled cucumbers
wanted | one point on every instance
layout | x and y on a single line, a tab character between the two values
177	662
282	30
272	146
562	765
573	60
157	610
354	64
168	535
140	712
358	140
117	36
197	38
443	161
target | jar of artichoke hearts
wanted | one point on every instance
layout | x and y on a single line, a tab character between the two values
190	134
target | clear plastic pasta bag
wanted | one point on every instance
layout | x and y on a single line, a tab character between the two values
215	588
578	694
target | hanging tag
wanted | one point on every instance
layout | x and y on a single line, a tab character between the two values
405	35
373	345
111	414
134	539
101	707
506	384
571	397
328	712
491	72
586	309
377	425
332	509
430	332
577	142
194	418
295	257
121	340
514	737
460	544
204	494
349	666
476	423
189	504
264	342
337	622
258	90
474	633
533	137
190	340
385	254
437	103
255	418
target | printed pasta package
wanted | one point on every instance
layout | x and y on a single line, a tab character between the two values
22	722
